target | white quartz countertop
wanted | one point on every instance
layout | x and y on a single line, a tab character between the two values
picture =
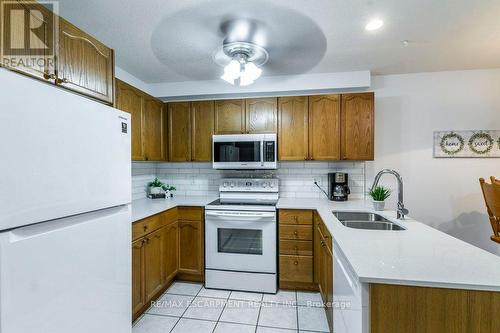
143	208
419	255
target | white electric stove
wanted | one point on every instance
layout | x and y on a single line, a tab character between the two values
240	236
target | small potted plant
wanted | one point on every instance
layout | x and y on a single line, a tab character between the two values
379	194
157	187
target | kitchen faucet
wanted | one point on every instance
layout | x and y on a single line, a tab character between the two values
402	211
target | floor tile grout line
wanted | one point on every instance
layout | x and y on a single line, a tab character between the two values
258	316
218	319
178	320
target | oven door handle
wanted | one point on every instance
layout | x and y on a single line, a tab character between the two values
246	216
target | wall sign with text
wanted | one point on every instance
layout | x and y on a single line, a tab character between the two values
480	143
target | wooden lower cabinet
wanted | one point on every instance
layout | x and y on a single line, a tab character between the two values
164	248
153	263
191	247
295	249
432	310
138	298
171	241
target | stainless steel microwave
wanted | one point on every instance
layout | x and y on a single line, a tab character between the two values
244	151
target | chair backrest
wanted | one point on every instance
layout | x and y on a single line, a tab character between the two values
491	193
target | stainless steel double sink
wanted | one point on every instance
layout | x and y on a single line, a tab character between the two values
362	220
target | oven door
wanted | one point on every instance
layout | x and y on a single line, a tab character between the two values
242	241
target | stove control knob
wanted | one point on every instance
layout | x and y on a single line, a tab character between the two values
264	184
271	184
232	184
225	184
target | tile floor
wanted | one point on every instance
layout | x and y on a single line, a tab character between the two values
190	308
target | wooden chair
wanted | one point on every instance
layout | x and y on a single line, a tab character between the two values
491	193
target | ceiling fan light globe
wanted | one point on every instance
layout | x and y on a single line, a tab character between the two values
252	71
232	70
227	78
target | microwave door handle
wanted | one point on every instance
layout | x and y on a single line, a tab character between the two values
261	153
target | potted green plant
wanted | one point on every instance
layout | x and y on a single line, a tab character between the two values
379	194
157	187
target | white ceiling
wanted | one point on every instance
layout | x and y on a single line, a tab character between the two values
169	41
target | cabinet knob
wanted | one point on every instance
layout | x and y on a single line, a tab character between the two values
322	244
295	233
295	262
145	228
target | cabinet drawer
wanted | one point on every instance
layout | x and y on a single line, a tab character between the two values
296	268
296	232
294	216
146	226
190	213
296	247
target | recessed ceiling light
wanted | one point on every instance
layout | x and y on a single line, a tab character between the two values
374	24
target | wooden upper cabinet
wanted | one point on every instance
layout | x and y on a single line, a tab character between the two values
324	127
154	143
84	64
179	132
293	133
130	99
261	115
30	43
357	126
202	128
230	116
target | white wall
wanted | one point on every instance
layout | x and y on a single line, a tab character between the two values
444	193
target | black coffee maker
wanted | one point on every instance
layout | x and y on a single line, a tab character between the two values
338	190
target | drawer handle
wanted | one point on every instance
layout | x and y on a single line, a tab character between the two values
295	262
145	228
322	243
296	218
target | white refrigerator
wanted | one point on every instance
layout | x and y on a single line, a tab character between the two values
65	193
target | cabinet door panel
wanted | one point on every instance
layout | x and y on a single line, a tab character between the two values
296	268
130	99
191	244
261	115
138	299
84	64
293	128
171	242
230	117
153	263
324	127
357	126
179	132
202	118
27	43
154	143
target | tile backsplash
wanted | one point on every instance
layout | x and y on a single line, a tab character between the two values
296	178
